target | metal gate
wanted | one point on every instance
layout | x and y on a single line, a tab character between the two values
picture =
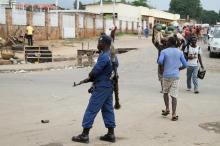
68	26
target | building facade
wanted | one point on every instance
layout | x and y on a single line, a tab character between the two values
8	3
139	14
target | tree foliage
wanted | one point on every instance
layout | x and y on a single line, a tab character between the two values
210	17
107	1
195	11
123	1
81	6
191	8
140	3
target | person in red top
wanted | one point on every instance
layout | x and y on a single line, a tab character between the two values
186	33
198	32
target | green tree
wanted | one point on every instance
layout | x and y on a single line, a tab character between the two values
210	17
123	1
140	3
191	8
81	6
104	1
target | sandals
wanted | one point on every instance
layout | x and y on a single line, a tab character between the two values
165	113
175	118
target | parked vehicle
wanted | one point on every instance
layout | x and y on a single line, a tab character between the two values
214	42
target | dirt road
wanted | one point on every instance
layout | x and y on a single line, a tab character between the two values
28	98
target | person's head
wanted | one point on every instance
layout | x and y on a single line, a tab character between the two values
104	43
194	40
171	42
190	29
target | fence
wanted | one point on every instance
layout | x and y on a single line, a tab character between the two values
54	25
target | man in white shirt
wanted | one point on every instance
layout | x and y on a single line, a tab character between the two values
194	59
139	31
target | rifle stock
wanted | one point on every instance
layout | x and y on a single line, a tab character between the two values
115	78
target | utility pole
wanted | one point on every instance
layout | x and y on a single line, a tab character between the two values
77	4
56	3
114	12
101	6
12	3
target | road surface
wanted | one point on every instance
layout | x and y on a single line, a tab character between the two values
28	98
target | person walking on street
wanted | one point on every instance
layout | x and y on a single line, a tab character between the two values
113	33
139	31
160	44
101	98
172	60
146	31
30	31
193	52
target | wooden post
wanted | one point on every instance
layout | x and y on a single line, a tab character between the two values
47	25
60	25
8	16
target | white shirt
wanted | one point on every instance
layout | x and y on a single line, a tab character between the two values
139	29
195	53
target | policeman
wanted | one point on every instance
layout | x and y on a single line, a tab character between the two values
101	98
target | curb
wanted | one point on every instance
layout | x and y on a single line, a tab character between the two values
22	68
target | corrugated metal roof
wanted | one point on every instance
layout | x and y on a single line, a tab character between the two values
73	11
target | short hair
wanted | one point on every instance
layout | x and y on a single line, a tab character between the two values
172	41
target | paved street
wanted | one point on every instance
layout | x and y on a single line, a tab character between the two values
28	98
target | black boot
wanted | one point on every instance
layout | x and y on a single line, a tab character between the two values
83	138
110	136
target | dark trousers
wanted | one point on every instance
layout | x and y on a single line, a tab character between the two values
30	40
101	99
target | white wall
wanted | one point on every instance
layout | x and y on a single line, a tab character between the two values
128	13
19	17
38	19
81	21
132	13
99	22
89	22
2	16
53	19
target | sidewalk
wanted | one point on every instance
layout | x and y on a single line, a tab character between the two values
65	53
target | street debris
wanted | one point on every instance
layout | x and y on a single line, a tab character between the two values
45	121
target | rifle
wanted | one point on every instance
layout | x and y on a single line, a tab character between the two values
116	91
81	82
115	78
